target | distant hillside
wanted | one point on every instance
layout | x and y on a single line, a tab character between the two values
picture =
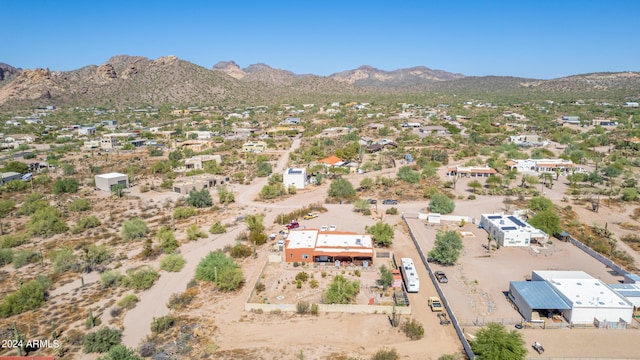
138	81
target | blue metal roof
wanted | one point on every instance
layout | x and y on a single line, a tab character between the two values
540	295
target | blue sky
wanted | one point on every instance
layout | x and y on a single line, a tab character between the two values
533	39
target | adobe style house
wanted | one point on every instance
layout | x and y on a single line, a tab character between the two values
564	167
334	247
471	171
198	162
196	182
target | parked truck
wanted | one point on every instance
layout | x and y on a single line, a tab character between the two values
435	304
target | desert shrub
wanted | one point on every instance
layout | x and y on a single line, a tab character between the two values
63	260
15	186
141	279
68	185
221	270
6	256
240	251
13	240
101	341
147	349
392	211
24	257
471	197
184	212
120	352
46	221
81	204
302	307
115	311
314	283
29	296
168	242
96	255
172	262
133	229
162	324
87	222
178	301
194	232
110	278
413	329
314	309
32	203
199	199
260	287
441	204
302	276
217	228
386	354
128	302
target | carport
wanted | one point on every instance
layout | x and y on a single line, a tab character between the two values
535	297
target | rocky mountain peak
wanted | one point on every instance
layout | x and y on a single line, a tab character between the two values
106	72
230	68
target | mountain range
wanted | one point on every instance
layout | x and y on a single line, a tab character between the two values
137	81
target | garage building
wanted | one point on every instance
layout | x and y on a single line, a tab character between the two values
572	296
106	182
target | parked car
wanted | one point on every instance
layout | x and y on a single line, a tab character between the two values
273	236
435	304
372	201
332	228
324	228
293	225
441	276
311	215
390	202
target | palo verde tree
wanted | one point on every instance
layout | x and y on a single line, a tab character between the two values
447	247
341	291
199	199
441	204
381	232
495	342
341	189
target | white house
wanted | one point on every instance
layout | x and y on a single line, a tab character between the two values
508	230
544	165
106	182
296	177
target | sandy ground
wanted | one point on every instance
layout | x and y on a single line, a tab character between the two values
286	336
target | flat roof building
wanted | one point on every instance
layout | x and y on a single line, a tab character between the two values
106	182
313	245
509	230
296	177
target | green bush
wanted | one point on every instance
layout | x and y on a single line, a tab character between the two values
168	242
81	204
162	324
240	251
141	279
386	354
110	278
133	229
63	260
441	204
221	270
120	352
217	228
172	262
413	329
199	199
128	302
65	186
29	296
46	221
24	257
302	276
84	223
184	212
15	186
13	240
101	341
6	256
32	203
194	233
392	211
